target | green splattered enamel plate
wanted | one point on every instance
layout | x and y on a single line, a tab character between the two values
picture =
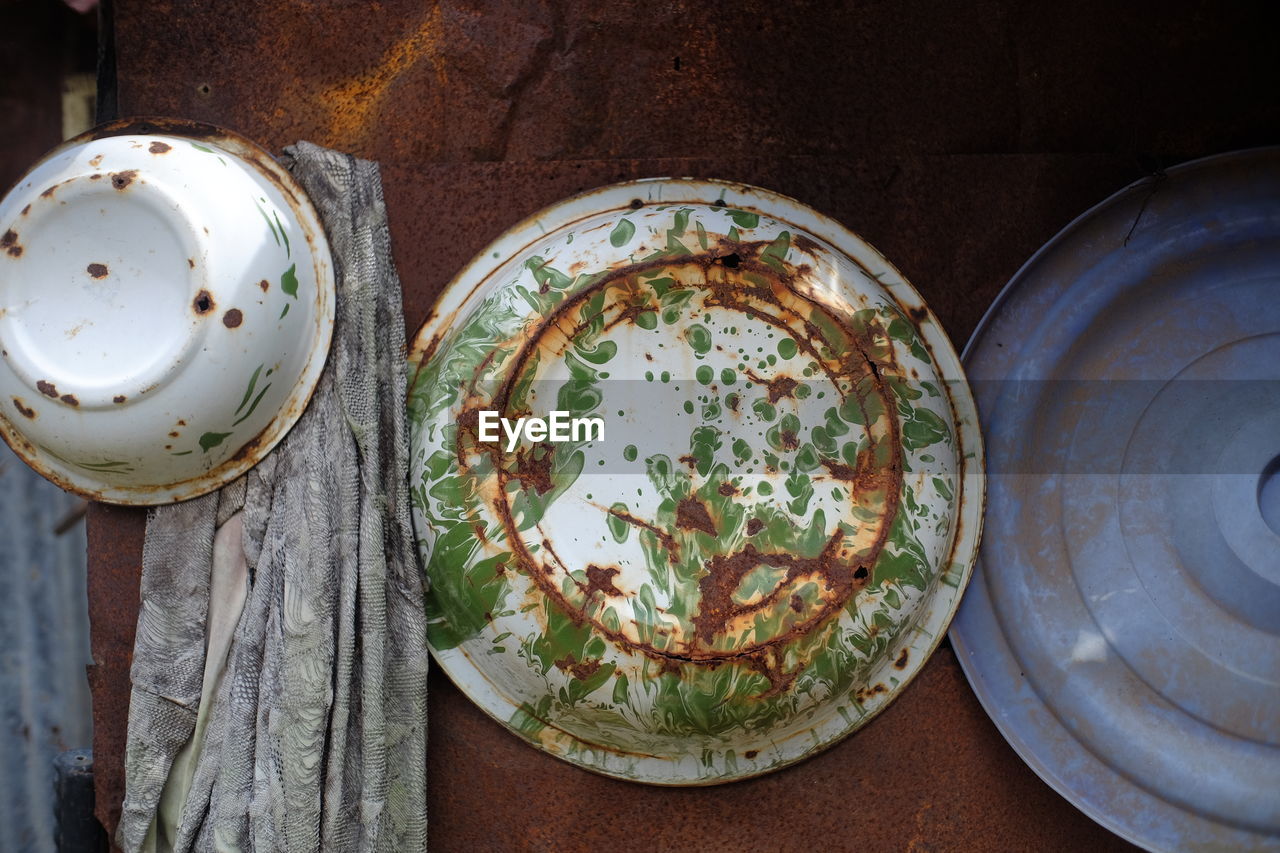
697	480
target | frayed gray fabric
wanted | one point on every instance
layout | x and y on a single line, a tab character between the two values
316	737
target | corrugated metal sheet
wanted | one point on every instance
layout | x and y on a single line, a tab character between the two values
44	648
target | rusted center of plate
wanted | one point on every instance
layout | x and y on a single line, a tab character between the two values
757	546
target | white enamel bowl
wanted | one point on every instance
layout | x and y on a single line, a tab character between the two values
166	305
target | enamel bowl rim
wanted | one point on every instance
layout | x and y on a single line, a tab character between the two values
969	505
251	157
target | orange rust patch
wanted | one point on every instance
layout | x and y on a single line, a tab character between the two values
535	471
692	515
97	270
203	302
601	580
232	318
733	278
581	671
158	147
264	284
119	398
96	161
673	550
901	662
69	399
47	388
121	180
23	409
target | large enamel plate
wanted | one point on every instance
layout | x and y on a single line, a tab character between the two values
766	506
1123	627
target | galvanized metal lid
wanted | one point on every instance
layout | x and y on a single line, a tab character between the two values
1123	626
768	533
166	306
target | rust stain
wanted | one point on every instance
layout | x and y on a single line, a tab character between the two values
96	161
918	313
69	399
159	147
673	550
353	103
254	443
119	398
26	210
264	284
692	515
534	471
9	242
95	177
191	263
601	580
233	318
23	409
733	277
901	662
47	388
864	693
779	387
97	270
121	180
48	193
203	302
727	489
579	670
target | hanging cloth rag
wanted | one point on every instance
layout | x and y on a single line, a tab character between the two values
280	666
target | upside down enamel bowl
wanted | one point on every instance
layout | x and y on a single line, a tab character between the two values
734	493
166	305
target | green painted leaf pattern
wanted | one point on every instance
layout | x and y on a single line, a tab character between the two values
622	233
210	440
248	392
284	235
267	219
603	696
109	467
289	281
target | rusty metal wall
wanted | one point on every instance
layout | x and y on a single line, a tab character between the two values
44	648
956	138
44	629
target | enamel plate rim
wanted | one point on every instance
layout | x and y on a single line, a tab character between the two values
936	612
